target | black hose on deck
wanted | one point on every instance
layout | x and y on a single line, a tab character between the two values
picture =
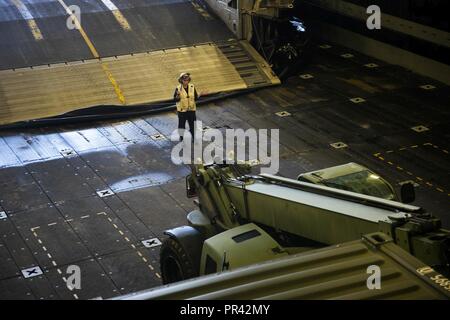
107	112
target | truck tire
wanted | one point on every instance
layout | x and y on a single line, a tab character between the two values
176	263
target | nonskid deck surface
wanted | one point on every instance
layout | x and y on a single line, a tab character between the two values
41	32
100	195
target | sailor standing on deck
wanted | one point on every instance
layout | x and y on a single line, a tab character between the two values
186	96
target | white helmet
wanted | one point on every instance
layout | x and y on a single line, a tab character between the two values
184	75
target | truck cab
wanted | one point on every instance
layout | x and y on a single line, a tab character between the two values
357	178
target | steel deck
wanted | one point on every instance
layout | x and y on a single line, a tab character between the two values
100	195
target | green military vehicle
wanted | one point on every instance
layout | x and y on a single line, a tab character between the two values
245	220
335	272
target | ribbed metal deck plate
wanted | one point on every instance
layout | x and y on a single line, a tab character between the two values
144	78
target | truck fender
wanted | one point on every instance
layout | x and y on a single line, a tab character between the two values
185	243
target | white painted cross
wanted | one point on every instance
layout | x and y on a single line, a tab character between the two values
306	76
158	137
150	243
420	128
338	145
32	272
105	193
283	114
357	100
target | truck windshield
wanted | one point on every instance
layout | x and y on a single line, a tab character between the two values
364	182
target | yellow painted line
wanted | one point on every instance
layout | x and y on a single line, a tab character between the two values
376	154
94	52
195	4
420	179
117	14
436	147
121	20
117	89
381	158
79	28
390	163
35	30
26	14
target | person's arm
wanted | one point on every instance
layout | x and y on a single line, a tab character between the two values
196	94
176	95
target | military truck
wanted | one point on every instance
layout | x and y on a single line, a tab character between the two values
245	219
343	271
357	178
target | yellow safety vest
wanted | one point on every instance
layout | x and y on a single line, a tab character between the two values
187	99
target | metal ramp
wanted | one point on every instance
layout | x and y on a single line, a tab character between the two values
128	80
131	61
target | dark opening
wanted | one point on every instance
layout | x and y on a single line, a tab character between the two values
246	236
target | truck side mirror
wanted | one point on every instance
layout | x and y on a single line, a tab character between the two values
408	194
191	191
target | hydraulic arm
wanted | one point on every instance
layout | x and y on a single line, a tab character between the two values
230	196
